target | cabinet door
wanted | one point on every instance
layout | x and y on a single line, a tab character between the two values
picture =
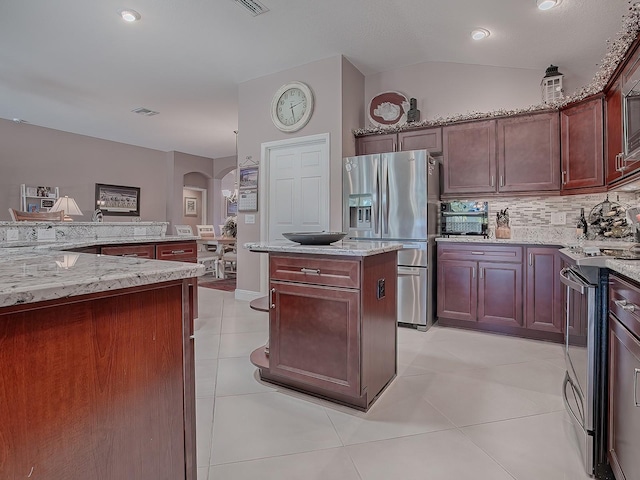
543	290
315	336
140	251
469	157
582	145
613	133
529	153
457	289
372	144
624	401
429	139
500	293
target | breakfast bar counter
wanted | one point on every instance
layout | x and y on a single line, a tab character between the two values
332	319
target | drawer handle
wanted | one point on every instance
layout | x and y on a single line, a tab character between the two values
177	252
129	255
629	307
635	386
477	253
314	271
271	304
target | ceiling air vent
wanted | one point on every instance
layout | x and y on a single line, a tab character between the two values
145	111
253	7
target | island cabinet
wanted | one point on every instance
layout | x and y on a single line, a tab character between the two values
624	378
500	288
332	325
429	139
99	386
582	131
515	154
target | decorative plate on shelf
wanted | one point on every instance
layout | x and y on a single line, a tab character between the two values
314	238
388	109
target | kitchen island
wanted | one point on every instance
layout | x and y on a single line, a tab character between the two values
97	365
332	319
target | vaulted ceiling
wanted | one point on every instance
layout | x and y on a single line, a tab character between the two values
76	66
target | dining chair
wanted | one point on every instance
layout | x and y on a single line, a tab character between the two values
209	259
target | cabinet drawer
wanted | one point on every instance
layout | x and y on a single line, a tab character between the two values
624	303
485	253
178	252
334	271
141	251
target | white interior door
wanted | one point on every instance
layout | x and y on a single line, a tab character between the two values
294	187
298	186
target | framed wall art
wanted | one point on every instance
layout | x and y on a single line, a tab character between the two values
118	200
190	207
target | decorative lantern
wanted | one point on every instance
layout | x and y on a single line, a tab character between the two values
551	84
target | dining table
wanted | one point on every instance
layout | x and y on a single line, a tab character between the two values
219	243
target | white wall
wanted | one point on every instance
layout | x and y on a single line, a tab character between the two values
446	89
255	127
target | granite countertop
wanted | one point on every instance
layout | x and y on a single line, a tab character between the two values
344	247
37	271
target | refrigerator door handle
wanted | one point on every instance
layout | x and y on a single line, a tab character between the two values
386	208
376	199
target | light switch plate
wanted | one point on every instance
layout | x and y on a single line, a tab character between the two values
559	218
12	235
249	219
46	234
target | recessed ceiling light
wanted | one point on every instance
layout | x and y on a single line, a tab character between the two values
547	4
480	33
129	15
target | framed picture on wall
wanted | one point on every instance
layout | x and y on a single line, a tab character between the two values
190	207
118	200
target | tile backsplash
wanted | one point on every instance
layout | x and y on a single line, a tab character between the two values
530	217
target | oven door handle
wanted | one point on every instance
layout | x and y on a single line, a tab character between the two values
564	278
567	380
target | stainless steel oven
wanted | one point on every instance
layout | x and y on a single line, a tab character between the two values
581	355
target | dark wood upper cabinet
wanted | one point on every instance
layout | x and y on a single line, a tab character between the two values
469	152
613	132
529	153
429	139
582	132
517	154
373	144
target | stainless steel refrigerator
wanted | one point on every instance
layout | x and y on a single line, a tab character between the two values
394	197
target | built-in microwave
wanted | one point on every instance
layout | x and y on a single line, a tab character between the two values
464	218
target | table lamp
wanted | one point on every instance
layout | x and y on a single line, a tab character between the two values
69	206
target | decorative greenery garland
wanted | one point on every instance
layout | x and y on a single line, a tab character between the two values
615	54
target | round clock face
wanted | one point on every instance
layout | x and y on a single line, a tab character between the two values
292	106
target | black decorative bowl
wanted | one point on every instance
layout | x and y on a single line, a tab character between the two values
314	238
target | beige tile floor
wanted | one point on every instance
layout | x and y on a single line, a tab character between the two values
465	405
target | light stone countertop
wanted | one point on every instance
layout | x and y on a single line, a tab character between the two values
37	271
343	247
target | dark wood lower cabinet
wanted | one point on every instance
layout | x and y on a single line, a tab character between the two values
624	378
332	326
543	290
457	290
502	291
99	386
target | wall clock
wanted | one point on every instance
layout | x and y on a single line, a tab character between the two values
292	106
